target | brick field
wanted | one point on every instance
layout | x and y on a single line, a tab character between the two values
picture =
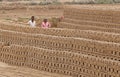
86	43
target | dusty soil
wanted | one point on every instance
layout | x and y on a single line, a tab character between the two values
12	71
22	16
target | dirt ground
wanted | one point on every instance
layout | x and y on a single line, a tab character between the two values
12	71
22	16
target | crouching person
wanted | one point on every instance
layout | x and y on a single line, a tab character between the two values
45	24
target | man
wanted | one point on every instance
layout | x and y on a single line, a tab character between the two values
32	22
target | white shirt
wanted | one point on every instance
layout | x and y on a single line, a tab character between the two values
32	24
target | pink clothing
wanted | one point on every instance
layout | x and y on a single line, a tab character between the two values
45	25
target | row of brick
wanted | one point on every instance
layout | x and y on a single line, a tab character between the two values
63	62
92	23
93	11
22	7
87	27
95	35
78	45
92	15
91	18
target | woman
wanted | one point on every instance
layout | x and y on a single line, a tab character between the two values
45	24
32	22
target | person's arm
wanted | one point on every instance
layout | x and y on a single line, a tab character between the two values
42	25
28	23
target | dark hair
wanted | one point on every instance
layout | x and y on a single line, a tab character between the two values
32	18
45	20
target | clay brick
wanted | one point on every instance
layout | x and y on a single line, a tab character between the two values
101	49
67	63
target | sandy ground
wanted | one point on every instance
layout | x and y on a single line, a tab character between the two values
22	16
12	71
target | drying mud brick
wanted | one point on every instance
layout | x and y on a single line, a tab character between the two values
73	64
91	19
108	16
95	35
87	27
78	45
